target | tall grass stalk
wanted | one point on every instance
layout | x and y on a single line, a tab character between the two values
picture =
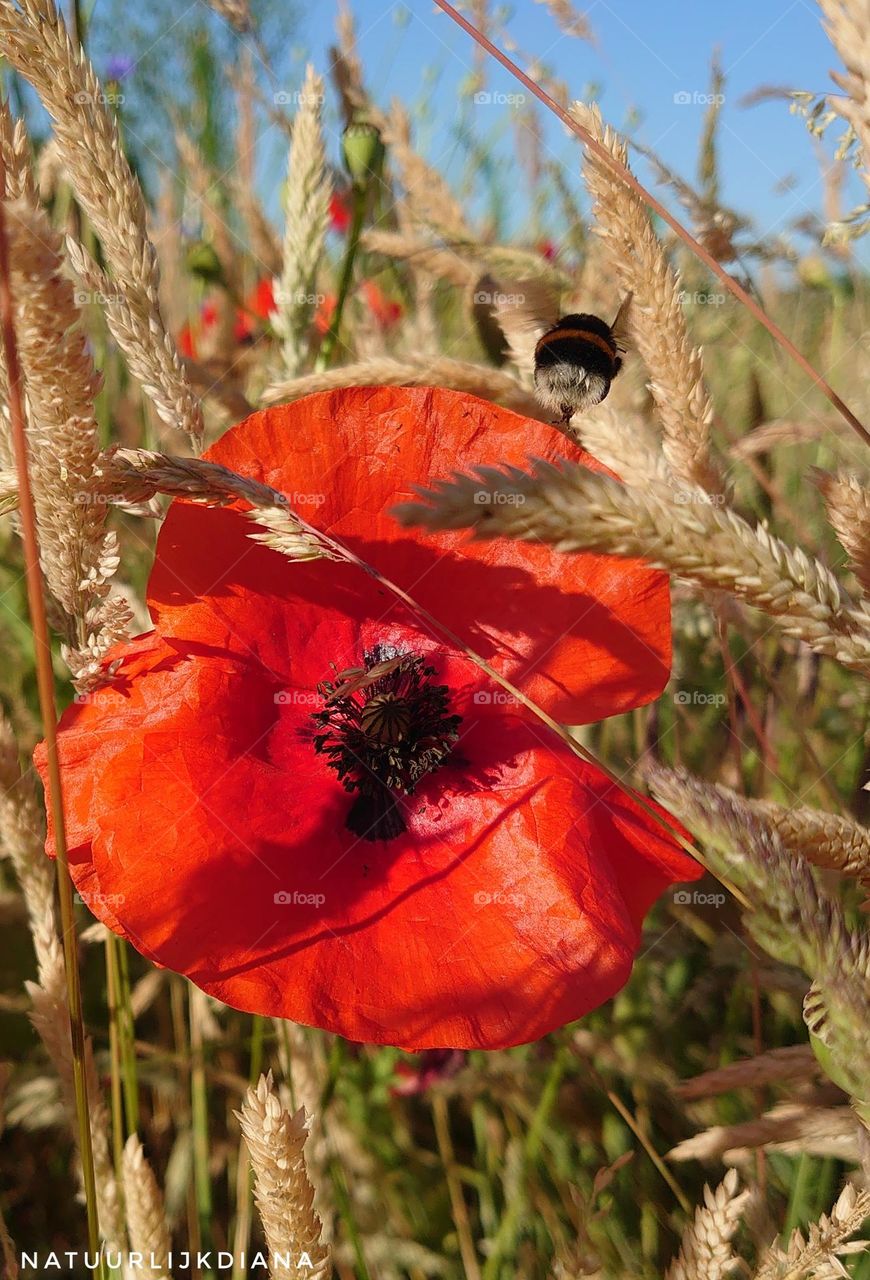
127	1037
506	1235
441	1117
199	1116
115	1069
48	711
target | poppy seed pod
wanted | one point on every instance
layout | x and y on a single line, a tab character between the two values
363	152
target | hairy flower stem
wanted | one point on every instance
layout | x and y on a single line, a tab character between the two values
327	350
621	172
48	711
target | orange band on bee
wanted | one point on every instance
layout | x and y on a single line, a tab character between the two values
582	335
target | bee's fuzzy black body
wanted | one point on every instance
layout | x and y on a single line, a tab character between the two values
575	362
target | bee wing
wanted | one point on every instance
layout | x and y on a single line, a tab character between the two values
524	310
527	305
620	322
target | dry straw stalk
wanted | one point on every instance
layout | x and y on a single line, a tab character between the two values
410	371
848	25
68	967
36	42
682	532
793	917
657	317
705	1250
306	216
817	1253
78	555
282	1191
146	1220
848	502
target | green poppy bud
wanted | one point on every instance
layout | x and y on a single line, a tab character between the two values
363	151
202	261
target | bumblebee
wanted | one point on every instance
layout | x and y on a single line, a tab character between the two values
575	356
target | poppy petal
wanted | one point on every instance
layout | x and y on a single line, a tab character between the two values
586	636
205	827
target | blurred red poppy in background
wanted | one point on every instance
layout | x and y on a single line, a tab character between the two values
385	311
339	212
295	794
259	306
418	1074
324	313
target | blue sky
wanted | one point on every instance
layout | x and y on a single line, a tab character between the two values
644	54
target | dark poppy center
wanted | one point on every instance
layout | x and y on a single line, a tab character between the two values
384	726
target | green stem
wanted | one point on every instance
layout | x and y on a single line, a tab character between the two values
115	1055
797	1213
258	1032
199	1117
327	349
244	1184
441	1117
342	1200
336	1058
506	1235
128	1040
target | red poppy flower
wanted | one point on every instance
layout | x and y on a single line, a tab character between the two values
428	1068
295	794
187	343
386	311
547	249
261	299
324	313
259	305
339	212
